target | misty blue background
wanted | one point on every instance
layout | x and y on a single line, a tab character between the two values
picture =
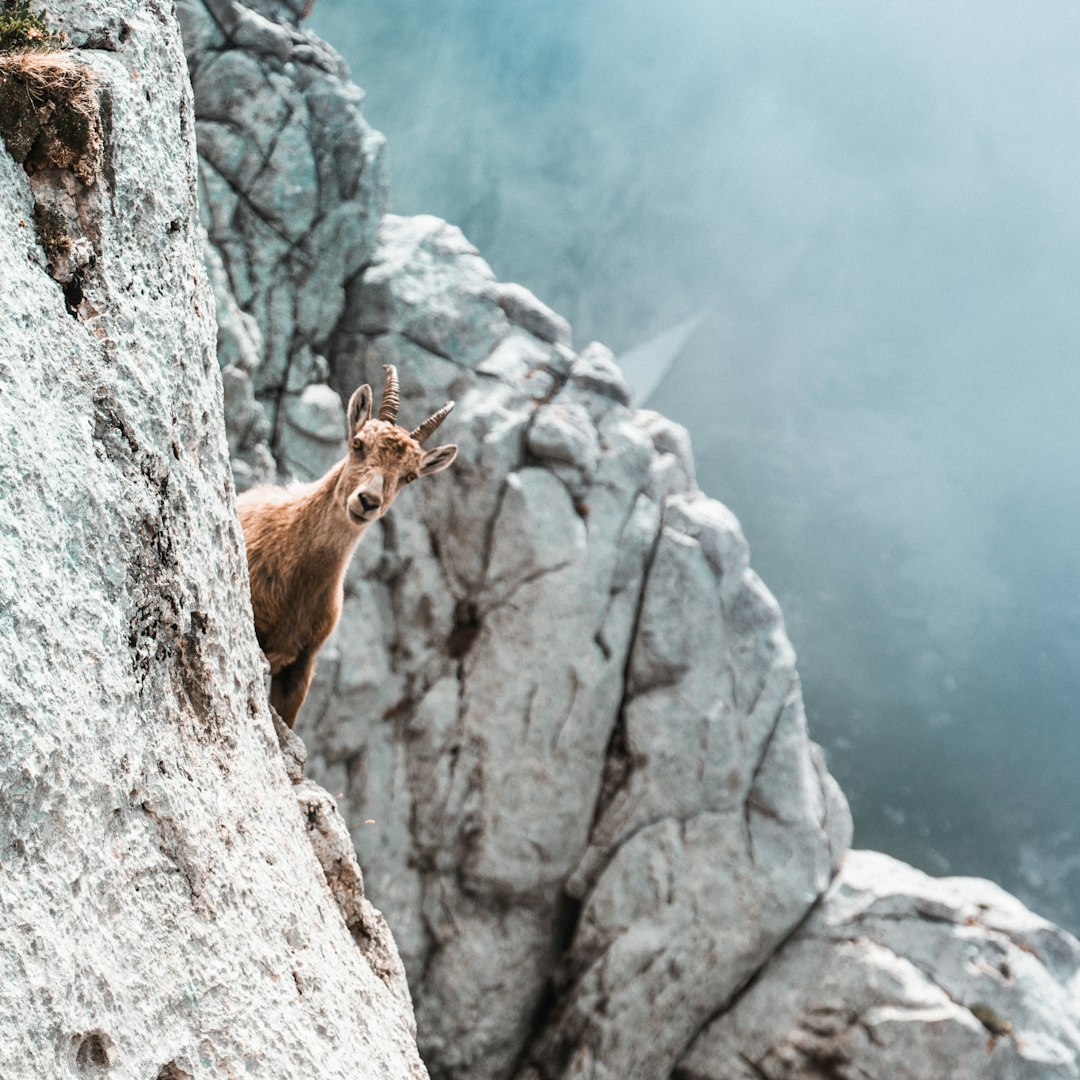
875	206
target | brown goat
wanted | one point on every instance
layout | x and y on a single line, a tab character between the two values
300	539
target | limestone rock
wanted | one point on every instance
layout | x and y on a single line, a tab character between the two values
162	912
239	352
560	705
291	186
313	429
526	311
900	975
534	714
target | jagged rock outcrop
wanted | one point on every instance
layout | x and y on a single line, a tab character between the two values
603	756
562	709
291	190
163	911
899	975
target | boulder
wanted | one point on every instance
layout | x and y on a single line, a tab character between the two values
900	975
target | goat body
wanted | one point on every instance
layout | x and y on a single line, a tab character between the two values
297	558
300	540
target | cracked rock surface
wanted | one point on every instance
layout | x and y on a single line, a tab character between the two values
162	911
291	190
898	975
561	707
565	698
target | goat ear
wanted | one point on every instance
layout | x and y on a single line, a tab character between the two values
438	459
360	407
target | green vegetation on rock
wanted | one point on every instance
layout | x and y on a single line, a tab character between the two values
22	29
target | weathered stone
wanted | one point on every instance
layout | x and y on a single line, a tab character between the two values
526	311
239	353
313	432
561	708
674	463
162	912
896	974
597	371
563	434
291	189
455	314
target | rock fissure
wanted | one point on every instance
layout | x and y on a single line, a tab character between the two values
244	197
753	1066
747	985
618	758
751	801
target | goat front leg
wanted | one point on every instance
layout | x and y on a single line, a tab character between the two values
289	687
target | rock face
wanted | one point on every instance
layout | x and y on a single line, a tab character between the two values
899	975
580	732
162	910
561	707
291	190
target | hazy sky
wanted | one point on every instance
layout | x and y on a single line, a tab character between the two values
876	208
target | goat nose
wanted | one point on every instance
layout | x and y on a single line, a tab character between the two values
369	502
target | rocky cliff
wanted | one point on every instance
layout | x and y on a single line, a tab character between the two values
561	710
172	900
603	838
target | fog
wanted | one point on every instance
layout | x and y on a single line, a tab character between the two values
871	210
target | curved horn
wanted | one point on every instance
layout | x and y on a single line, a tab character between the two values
424	431
390	399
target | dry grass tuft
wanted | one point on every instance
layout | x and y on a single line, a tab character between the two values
48	73
50	114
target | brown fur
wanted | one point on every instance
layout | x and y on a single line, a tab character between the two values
300	540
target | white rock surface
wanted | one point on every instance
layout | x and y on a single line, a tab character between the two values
561	706
899	975
162	911
291	192
593	757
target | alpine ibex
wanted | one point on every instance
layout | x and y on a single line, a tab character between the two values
300	539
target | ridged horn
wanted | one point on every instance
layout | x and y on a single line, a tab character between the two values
424	431
390	399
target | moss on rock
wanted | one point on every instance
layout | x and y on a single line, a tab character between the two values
19	124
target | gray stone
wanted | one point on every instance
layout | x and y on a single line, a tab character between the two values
239	353
162	911
561	708
525	310
674	463
900	975
291	187
597	371
446	301
313	432
563	433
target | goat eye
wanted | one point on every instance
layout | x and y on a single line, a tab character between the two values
358	444
410	477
